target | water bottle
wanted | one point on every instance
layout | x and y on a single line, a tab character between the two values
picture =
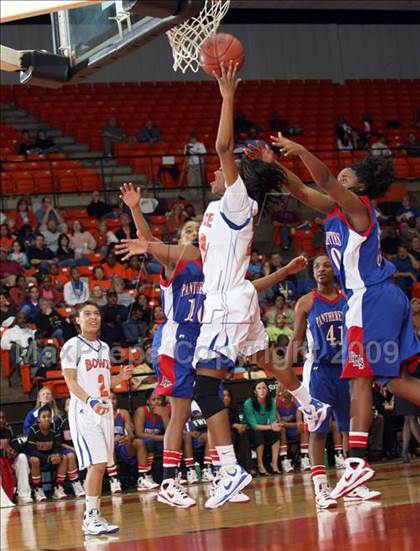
197	468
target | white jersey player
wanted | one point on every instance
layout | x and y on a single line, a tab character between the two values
86	366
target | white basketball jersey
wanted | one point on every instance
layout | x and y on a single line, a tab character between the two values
225	249
93	364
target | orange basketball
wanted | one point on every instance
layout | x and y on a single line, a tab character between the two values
221	48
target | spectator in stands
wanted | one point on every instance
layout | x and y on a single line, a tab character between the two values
124	297
133	271
43	144
104	237
149	134
239	431
18	291
51	235
113	315
48	291
280	307
344	133
412	146
276	261
43	356
280	328
411	429
6	238
19	334
406	274
81	241
98	208
365	131
112	267
30	305
410	230
260	415
7	310
128	229
40	256
23	214
144	304
415	310
176	218
47	212
9	269
44	397
27	145
135	328
148	205
255	266
70	327
390	242
17	255
66	255
44	449
99	277
194	152
97	295
380	147
75	291
407	210
49	320
286	219
415	248
26	236
111	135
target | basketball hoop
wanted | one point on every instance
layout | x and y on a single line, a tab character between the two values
187	38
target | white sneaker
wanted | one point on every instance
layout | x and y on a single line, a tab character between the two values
362	493
287	466
232	480
174	495
78	489
305	463
207	475
59	492
357	472
315	414
24	500
192	477
240	498
39	495
95	525
323	499
340	462
145	483
115	485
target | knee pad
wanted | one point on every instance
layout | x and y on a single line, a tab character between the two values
207	395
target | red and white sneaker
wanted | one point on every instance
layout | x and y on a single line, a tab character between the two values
323	499
357	472
174	495
362	493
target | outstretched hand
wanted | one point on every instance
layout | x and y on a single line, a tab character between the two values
297	265
131	247
228	81
261	151
286	146
130	195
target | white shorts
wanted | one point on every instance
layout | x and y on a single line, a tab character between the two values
92	434
231	326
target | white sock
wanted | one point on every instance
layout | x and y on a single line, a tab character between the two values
320	481
226	455
302	396
92	502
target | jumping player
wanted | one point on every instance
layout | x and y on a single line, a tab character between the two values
86	367
379	340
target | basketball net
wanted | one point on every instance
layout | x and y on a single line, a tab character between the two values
187	38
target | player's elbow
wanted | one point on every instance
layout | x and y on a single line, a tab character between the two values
223	147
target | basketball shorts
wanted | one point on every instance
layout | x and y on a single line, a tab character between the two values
44	457
92	434
172	359
378	333
231	326
122	456
325	383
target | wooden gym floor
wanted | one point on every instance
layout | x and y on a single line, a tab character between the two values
280	516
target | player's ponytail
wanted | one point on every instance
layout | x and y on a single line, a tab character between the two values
263	182
377	173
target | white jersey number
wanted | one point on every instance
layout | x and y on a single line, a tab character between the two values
331	338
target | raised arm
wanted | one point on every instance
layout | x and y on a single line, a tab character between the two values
347	199
296	265
131	197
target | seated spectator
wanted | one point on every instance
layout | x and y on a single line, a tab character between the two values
99	278
44	449
7	310
17	255
255	265
112	267
44	397
288	288
12	452
415	248
345	143
135	328
66	255
176	218
26	236
380	147
127	230
98	208
27	145
280	307
104	237
111	135
24	215
43	144
30	306
390	242
132	272
239	432
113	316
18	291
407	210
124	297
344	133
149	134
365	131
412	146
49	320
276	261
196	438
143	302
40	256
406	273
6	238
9	269
17	340
274	331
81	241
415	310
260	415
148	205
75	291
48	291
47	212
42	356
286	220
410	230
51	235
194	152
97	295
